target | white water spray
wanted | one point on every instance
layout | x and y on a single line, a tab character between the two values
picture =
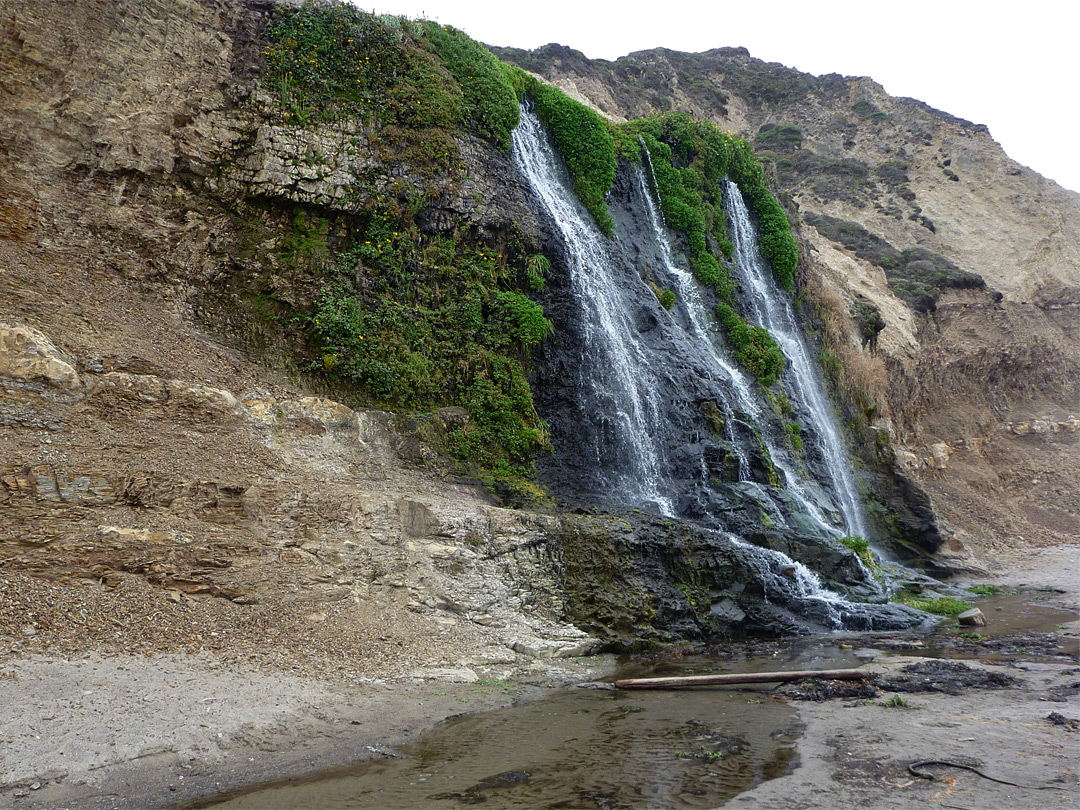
770	308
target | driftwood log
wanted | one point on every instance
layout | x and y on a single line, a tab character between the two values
742	677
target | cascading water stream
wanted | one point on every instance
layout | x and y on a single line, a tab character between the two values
626	388
771	309
794	587
620	376
699	317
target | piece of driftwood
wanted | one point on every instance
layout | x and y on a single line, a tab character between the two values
742	677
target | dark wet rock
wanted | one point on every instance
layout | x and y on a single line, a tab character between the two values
636	580
479	793
949	677
1061	720
819	690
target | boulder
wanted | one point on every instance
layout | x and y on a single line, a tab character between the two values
28	356
972	618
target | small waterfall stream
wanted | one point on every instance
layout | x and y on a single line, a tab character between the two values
701	329
619	374
771	309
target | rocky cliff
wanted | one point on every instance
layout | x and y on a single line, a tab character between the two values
179	472
917	218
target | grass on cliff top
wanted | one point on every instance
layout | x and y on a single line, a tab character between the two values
331	60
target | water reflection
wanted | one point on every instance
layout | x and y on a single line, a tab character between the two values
577	749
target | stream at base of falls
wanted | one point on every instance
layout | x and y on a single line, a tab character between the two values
584	748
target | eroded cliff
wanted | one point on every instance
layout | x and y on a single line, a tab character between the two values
970	260
176	460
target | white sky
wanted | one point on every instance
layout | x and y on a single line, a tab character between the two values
1014	66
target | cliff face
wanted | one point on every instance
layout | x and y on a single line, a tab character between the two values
171	464
899	205
147	455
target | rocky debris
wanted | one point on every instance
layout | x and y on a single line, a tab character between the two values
27	356
819	690
1058	719
1044	645
949	677
268	500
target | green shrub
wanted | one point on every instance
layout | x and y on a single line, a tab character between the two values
489	99
327	60
582	138
861	547
665	296
754	347
524	317
780	137
897	702
794	431
916	275
431	325
536	269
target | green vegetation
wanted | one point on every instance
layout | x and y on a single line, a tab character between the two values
582	138
943	605
446	331
665	296
413	320
782	137
867	110
536	269
489	99
754	347
869	322
897	702
335	60
861	547
701	753
987	590
417	82
794	432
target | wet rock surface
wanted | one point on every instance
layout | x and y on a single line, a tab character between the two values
949	677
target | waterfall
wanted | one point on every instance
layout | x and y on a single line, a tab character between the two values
626	386
700	320
615	369
770	308
793	587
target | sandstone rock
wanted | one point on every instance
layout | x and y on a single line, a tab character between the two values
333	415
454	417
28	356
448	674
972	618
123	537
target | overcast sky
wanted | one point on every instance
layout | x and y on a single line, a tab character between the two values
1014	66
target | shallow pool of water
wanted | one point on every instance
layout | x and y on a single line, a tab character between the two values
588	748
580	748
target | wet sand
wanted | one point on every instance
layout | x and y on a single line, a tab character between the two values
147	732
